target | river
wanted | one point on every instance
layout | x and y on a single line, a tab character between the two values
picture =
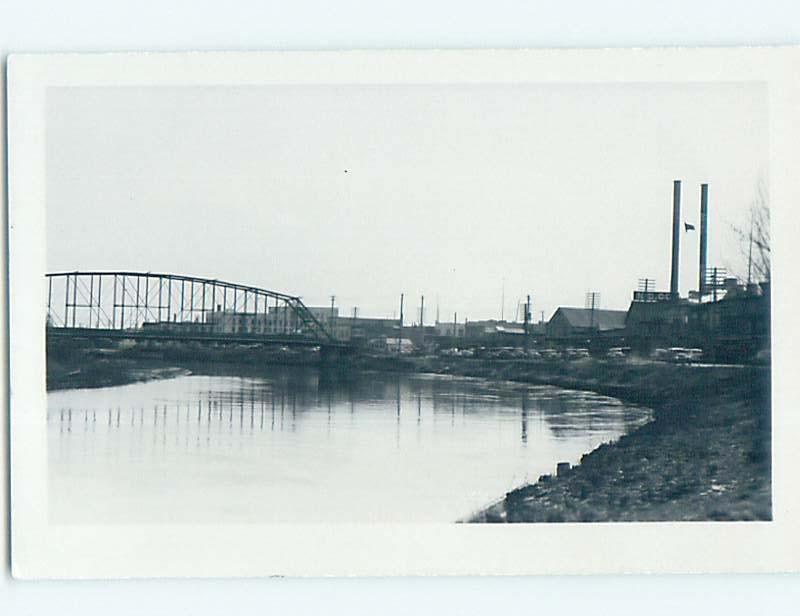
298	445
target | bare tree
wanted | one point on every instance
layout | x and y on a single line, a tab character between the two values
754	238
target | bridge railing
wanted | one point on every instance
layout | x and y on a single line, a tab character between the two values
126	300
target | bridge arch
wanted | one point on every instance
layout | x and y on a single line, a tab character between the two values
148	302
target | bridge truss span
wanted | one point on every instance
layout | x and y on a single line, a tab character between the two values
151	304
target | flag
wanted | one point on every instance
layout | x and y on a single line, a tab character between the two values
688	227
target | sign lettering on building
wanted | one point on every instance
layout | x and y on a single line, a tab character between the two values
652	296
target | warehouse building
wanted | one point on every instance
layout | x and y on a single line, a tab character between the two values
568	323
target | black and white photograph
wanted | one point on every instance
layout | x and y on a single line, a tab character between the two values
237	324
356	298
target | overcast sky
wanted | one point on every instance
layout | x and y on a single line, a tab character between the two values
364	192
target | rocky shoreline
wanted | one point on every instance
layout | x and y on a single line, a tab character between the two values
705	456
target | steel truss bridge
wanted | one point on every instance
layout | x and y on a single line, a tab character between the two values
170	307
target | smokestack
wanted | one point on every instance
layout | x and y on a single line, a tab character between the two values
703	238
676	237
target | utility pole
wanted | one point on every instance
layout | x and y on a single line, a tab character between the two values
400	331
422	320
455	325
592	301
527	319
715	283
503	301
646	286
333	303
750	253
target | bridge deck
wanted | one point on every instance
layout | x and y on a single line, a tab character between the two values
196	336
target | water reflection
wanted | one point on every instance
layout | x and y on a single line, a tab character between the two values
297	445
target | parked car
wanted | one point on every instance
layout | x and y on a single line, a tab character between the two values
618	352
678	354
661	354
505	353
688	355
577	353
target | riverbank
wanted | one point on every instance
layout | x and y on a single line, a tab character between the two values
105	372
78	366
705	456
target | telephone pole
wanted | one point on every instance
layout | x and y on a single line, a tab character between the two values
353	321
750	254
422	320
527	319
400	331
332	318
592	302
503	301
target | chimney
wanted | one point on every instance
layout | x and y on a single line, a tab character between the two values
703	238
676	237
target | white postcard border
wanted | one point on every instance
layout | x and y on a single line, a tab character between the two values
40	549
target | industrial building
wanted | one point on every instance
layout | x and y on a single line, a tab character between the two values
733	325
449	329
367	328
729	320
569	323
277	320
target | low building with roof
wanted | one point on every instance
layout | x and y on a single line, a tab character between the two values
569	322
